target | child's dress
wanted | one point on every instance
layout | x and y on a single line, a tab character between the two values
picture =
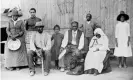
121	33
55	50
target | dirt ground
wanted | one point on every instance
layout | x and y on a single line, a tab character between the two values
115	74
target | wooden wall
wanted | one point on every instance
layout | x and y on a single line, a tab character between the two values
62	12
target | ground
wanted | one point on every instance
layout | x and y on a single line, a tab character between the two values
115	74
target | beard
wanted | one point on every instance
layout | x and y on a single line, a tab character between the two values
88	19
40	31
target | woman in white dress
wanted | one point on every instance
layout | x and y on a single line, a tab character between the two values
122	39
97	52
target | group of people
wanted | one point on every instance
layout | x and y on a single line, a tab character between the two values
85	50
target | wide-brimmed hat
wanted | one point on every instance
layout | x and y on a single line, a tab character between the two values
14	13
122	13
39	24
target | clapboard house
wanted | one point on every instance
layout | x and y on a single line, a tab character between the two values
62	12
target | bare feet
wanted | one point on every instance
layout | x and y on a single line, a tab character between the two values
120	66
125	66
62	69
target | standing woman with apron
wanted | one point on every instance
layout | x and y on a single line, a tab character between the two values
14	58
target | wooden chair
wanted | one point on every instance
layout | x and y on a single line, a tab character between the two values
106	62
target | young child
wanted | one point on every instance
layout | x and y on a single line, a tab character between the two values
57	37
123	44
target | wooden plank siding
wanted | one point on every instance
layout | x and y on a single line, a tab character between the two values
62	12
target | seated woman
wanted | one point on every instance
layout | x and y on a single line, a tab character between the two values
97	52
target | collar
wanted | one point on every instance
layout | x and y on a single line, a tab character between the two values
88	22
74	31
16	20
40	33
122	22
33	17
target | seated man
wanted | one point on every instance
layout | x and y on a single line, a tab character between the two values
40	45
73	42
97	52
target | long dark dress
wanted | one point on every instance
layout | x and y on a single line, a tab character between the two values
57	37
18	57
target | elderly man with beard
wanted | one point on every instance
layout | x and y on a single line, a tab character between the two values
73	42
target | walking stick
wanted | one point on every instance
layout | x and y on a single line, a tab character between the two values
42	64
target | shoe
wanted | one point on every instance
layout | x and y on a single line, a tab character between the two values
17	69
46	73
86	72
90	71
120	66
32	73
62	69
73	73
125	66
10	69
96	72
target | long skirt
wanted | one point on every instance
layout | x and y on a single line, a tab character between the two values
95	60
18	57
123	51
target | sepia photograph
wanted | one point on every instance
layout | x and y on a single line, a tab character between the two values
66	40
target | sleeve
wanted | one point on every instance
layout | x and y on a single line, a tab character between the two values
62	36
116	31
8	29
22	29
104	44
65	40
48	46
26	24
32	43
81	42
91	42
52	37
128	29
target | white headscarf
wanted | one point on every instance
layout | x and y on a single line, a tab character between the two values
99	31
102	40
